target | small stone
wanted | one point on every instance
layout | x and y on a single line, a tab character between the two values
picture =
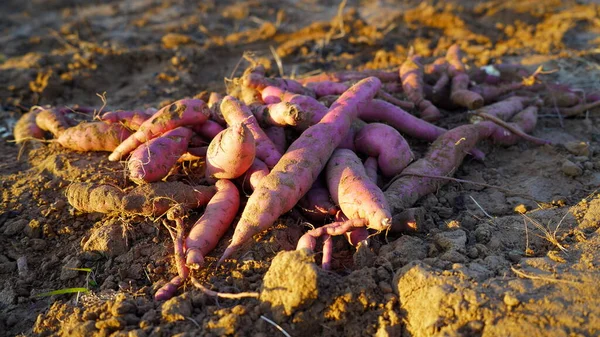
473	252
14	227
177	308
33	229
588	165
37	244
514	256
137	333
7	267
67	271
59	204
571	169
511	300
578	148
385	287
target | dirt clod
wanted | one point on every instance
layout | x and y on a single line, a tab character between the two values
291	282
177	308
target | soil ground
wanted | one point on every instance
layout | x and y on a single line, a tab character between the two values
475	268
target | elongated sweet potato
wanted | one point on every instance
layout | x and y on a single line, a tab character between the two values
299	167
208	230
236	112
252	177
90	197
507	108
325	88
93	136
208	130
132	119
52	120
381	111
153	160
277	135
230	153
180	113
26	127
524	121
444	156
387	145
260	82
460	94
316	204
157	198
411	73
352	75
355	193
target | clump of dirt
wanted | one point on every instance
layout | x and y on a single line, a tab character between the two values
511	248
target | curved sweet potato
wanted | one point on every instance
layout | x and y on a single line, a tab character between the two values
93	136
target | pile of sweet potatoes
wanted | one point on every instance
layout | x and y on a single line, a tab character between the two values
323	144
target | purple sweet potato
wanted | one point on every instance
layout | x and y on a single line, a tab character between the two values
93	136
411	73
208	230
26	127
230	153
181	113
355	193
236	112
387	145
153	160
299	167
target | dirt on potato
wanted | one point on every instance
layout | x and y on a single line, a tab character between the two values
511	252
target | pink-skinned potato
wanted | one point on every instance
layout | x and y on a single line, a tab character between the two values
180	113
387	144
354	191
153	160
230	153
93	136
208	230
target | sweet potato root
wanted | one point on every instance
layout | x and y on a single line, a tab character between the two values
355	193
316	204
26	127
52	120
387	145
180	113
93	136
297	170
147	200
130	119
218	216
252	177
157	198
89	197
236	112
153	160
381	111
460	94
230	153
411	73
443	158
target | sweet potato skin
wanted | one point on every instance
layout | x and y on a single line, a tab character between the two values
384	142
26	127
230	153
443	158
208	230
155	199
355	193
93	136
130	119
236	112
90	197
411	73
180	113
52	120
153	160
